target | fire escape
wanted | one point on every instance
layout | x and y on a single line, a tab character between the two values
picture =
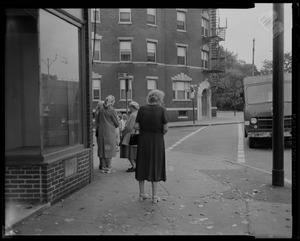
217	57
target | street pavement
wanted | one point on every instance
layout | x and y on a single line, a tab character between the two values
203	195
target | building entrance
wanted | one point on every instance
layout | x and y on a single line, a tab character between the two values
204	100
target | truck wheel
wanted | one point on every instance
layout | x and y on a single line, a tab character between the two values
251	142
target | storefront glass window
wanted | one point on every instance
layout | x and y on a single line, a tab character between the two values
60	82
22	125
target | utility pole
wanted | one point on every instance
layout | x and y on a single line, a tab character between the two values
192	90
126	92
48	64
234	107
125	76
296	122
253	50
278	85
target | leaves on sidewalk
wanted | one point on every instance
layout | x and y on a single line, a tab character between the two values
68	220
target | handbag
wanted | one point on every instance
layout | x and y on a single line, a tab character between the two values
134	139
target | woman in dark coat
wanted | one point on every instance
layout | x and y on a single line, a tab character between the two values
151	121
100	103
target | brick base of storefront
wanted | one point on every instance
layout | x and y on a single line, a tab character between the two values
47	182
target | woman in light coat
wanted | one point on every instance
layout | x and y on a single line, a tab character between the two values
126	150
107	124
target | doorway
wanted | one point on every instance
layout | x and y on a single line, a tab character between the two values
204	103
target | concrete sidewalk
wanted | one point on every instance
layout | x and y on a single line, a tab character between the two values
202	196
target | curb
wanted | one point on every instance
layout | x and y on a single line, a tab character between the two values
34	212
206	124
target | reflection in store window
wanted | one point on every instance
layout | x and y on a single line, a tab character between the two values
60	85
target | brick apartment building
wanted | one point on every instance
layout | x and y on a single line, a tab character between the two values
48	113
167	49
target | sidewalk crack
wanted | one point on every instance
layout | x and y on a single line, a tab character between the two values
164	188
248	218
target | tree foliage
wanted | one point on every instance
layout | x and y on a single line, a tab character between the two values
228	85
267	67
230	82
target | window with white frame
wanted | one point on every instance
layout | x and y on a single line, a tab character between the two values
96	89
95	14
205	27
181	90
123	89
181	20
124	15
151	51
96	49
204	56
181	55
151	83
151	16
205	23
125	51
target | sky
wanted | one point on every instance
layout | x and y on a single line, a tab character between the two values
245	24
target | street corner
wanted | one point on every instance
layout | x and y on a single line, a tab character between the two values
247	183
196	162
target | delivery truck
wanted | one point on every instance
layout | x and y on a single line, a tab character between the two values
258	107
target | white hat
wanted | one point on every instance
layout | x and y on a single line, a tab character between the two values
134	104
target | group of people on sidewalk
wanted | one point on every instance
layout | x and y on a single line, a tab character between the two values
147	158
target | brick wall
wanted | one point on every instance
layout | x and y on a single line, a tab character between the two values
173	115
46	182
23	183
167	36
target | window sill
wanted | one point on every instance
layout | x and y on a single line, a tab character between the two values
186	100
32	155
152	25
128	23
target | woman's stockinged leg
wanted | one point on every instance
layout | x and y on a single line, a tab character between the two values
108	163
142	187
154	188
132	162
143	195
133	166
100	163
155	197
103	164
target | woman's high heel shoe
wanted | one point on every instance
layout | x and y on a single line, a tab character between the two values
155	199
143	197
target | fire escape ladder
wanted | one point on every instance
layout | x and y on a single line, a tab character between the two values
217	34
